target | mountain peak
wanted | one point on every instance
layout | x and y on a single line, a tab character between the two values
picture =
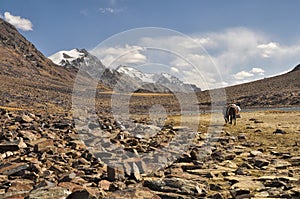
169	81
75	58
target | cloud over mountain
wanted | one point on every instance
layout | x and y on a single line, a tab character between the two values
18	22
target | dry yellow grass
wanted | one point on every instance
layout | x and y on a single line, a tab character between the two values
259	128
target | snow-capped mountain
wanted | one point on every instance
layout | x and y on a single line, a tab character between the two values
127	78
75	58
166	80
136	74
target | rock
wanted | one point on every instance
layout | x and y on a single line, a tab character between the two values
26	118
67	177
258	121
13	168
281	164
79	194
136	172
240	193
259	162
43	145
48	193
176	185
295	161
215	187
216	196
257	131
105	184
70	186
279	131
12	145
21	185
262	194
136	193
242	137
115	173
276	183
255	153
249	185
274	178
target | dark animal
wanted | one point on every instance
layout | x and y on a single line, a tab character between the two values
230	113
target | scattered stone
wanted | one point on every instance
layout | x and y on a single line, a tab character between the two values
13	168
240	193
48	193
137	193
258	121
42	156
257	131
216	196
105	184
115	173
12	145
79	194
26	118
255	153
279	131
260	163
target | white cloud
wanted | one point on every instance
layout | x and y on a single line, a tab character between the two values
120	55
175	70
111	10
259	71
268	49
18	22
242	75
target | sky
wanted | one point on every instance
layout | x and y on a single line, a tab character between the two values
228	42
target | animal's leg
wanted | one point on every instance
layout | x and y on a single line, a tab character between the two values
226	119
230	119
234	119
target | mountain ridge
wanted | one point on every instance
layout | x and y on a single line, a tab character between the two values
151	82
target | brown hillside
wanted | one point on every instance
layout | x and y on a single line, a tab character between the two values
27	77
278	91
282	90
19	58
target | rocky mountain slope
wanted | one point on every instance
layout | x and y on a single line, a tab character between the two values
19	58
282	90
26	75
277	91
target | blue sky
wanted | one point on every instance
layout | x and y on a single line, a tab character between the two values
226	28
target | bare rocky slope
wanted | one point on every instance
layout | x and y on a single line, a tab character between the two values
278	91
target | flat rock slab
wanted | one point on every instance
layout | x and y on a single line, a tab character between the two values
137	193
48	193
13	168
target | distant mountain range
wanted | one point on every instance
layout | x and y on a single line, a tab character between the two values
127	78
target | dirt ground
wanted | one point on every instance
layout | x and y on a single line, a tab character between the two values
259	127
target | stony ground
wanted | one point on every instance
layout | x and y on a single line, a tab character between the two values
42	156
